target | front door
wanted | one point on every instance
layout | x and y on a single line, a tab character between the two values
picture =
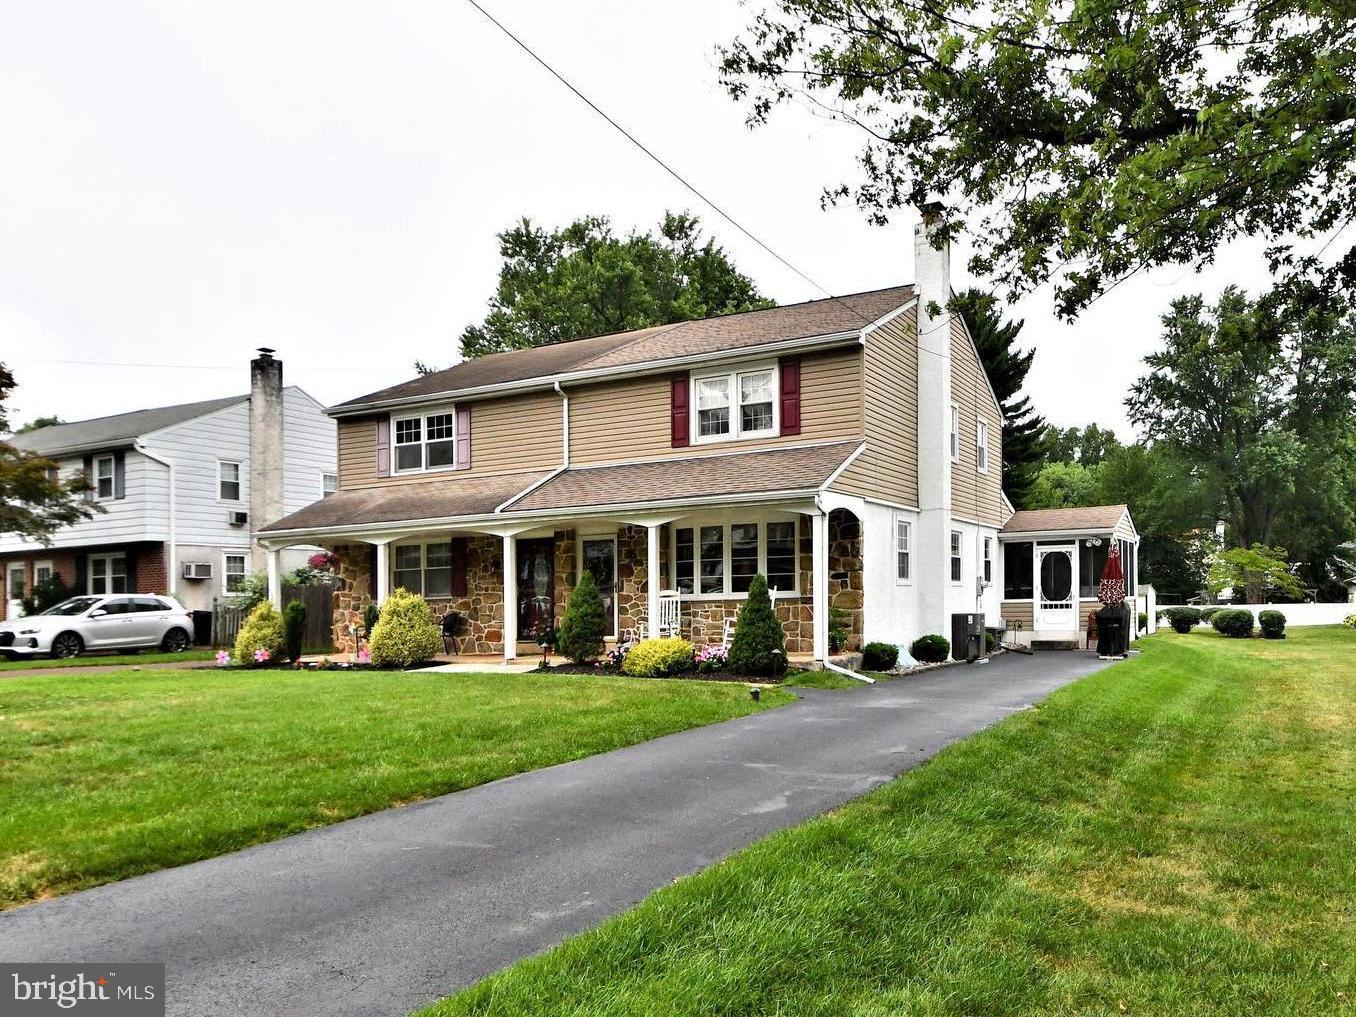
14	590
600	561
1056	606
536	587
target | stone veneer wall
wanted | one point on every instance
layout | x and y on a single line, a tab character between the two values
845	573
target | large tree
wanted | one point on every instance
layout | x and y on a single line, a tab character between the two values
1080	141
1088	445
1260	397
586	280
1007	366
34	503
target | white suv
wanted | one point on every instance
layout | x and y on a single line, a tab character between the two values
119	622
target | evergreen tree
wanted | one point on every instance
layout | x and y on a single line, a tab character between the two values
1007	367
583	627
759	646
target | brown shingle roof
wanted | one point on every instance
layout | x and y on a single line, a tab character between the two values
1092	517
784	469
437	499
640	346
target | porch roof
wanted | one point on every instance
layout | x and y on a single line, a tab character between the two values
800	469
1091	517
434	499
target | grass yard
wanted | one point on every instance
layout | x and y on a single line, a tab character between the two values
107	776
105	660
1174	835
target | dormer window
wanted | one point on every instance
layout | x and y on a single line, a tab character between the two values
735	403
425	442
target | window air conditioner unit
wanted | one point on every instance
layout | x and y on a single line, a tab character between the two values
238	518
197	570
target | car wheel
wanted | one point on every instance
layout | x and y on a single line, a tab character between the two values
175	641
67	644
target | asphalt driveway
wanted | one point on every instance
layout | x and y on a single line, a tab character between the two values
381	914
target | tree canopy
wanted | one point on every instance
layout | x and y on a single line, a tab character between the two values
585	280
37	423
1007	366
34	502
1081	142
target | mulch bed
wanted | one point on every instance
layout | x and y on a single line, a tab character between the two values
705	676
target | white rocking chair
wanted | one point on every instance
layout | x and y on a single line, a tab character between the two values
670	615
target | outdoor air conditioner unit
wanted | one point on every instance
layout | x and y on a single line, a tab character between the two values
238	518
197	570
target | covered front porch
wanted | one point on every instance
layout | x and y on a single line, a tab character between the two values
505	581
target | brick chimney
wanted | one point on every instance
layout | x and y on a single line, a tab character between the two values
266	446
932	284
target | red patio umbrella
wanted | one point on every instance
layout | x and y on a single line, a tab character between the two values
1111	590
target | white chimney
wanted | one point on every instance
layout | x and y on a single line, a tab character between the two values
266	447
932	287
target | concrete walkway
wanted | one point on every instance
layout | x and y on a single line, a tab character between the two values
381	914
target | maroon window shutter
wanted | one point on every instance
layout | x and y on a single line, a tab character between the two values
790	394
384	447
458	566
463	437
678	402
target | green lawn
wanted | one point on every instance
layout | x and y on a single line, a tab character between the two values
105	660
1175	835
107	776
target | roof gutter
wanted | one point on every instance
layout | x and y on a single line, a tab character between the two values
553	381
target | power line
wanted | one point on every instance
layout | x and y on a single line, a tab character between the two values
665	166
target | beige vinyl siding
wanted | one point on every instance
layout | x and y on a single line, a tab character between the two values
888	468
617	421
515	434
974	495
1014	611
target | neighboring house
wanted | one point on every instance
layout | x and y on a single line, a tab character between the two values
848	449
182	489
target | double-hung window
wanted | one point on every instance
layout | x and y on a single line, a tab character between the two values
982	446
107	573
988	559
735	404
903	549
425	569
228	480
956	563
103	477
955	432
425	442
721	559
233	572
329	483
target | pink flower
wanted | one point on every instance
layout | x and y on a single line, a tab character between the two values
223	658
261	656
364	656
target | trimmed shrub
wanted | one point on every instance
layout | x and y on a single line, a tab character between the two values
1272	624
294	628
1350	621
930	649
1234	623
262	631
990	640
406	633
655	658
1183	619
581	632
1209	612
1143	622
759	645
371	615
879	656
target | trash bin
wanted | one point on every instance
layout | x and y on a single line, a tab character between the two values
1113	631
967	636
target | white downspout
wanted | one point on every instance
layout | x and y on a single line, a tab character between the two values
172	565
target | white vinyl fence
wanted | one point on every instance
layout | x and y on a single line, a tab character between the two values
1304	614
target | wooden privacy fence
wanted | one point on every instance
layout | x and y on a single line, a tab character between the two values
318	598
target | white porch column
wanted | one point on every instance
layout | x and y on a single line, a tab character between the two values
274	579
383	585
510	598
652	581
819	582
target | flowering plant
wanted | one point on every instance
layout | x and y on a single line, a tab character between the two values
712	658
223	658
615	656
323	561
261	656
364	655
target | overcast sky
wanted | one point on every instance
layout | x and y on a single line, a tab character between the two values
183	182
